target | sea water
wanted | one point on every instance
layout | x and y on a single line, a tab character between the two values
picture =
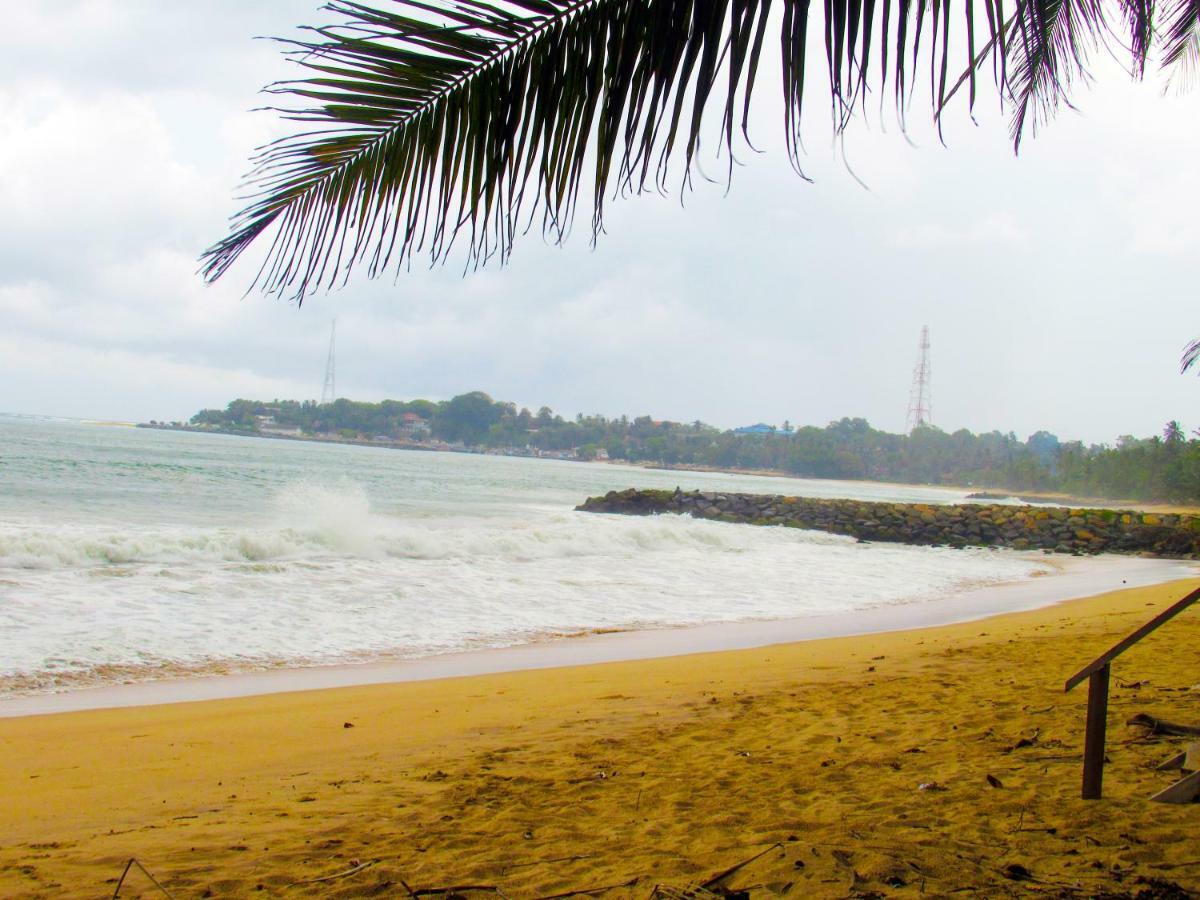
135	554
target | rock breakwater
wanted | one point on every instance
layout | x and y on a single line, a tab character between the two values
1057	529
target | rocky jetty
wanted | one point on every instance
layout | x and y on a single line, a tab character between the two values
1050	528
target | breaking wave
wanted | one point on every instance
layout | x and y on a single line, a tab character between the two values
320	522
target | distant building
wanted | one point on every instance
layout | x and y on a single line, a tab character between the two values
760	428
413	426
268	425
601	454
285	430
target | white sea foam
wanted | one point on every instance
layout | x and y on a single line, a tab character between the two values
363	584
316	522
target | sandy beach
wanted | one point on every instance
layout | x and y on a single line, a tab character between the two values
632	774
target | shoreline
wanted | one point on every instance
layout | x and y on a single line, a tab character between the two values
1027	497
1076	578
1037	496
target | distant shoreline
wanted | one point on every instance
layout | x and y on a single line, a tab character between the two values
1026	496
985	492
317	439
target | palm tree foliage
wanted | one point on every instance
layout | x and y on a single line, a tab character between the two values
1191	354
426	122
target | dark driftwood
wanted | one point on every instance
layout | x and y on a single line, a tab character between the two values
453	889
554	859
734	869
1161	726
596	890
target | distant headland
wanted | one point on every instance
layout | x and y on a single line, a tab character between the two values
1162	468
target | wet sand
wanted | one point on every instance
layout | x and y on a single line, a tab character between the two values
637	773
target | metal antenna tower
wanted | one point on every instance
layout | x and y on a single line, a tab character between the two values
329	391
920	399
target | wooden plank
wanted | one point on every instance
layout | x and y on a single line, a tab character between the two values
1172	764
1093	745
1159	620
1186	790
1192	762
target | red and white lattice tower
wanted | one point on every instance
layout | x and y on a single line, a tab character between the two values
920	398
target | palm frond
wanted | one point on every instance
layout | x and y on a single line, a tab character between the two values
1191	355
426	123
1047	55
1182	39
1139	19
429	121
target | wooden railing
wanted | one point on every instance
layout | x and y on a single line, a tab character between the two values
1097	673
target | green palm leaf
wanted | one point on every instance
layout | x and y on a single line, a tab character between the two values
1183	37
1047	54
1191	355
426	124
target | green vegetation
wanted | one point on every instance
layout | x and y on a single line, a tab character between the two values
1155	468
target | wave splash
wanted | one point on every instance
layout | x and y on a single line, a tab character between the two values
310	521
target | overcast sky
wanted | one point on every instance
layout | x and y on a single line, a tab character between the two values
1059	287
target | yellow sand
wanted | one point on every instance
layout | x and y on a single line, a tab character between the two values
663	771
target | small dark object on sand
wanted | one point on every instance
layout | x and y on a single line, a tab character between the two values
1017	872
1160	726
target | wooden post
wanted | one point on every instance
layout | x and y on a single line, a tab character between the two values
1097	720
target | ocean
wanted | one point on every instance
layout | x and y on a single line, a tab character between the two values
134	555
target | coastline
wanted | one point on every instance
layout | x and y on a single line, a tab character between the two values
1076	578
1047	497
1056	498
808	757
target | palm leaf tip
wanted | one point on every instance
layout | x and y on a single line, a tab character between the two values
1181	39
1191	355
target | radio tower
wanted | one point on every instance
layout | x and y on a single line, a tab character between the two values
920	398
329	391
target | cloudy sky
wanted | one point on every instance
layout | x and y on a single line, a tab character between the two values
1059	287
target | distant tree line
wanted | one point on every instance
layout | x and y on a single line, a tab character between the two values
1162	467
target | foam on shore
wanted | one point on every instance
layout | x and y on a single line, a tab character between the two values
1071	578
